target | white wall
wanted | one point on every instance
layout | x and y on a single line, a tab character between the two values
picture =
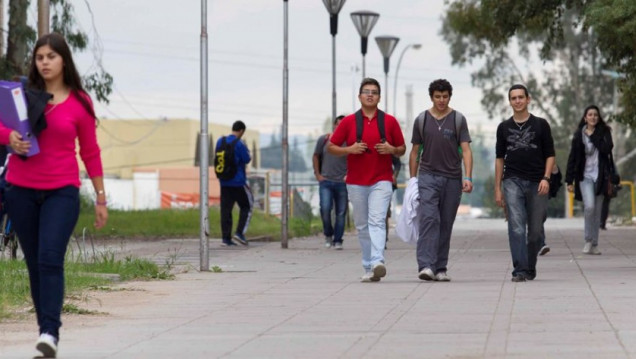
142	192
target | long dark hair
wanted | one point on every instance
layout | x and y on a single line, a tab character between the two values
601	125
71	77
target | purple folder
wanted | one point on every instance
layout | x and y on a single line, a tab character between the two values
13	113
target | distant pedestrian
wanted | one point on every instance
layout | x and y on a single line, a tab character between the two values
605	212
588	170
524	162
397	166
374	136
235	189
42	197
442	133
330	171
555	184
608	198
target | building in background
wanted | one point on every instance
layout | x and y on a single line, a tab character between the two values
151	163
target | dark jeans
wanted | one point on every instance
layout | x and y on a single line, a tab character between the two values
243	197
44	221
526	213
333	195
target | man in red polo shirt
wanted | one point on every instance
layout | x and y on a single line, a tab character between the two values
369	173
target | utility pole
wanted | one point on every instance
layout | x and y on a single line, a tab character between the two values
284	210
43	17
204	242
409	114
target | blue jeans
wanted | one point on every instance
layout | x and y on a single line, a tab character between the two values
592	205
333	194
44	221
370	204
526	211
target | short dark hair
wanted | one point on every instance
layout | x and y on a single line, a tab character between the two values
238	126
338	118
369	81
440	85
518	87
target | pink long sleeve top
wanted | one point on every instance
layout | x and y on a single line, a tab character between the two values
56	165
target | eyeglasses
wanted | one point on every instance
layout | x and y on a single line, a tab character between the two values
370	92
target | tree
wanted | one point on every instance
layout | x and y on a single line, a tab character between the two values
21	38
582	36
272	154
574	40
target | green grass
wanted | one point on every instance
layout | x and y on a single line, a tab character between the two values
80	277
179	223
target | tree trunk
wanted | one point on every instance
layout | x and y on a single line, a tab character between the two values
18	35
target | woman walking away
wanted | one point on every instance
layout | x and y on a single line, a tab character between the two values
588	169
43	192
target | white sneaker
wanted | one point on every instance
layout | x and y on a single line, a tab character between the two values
368	277
337	246
587	248
442	277
47	345
595	250
328	242
426	274
379	271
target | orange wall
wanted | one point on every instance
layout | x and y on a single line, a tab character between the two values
184	180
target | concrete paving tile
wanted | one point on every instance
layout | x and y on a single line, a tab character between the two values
307	302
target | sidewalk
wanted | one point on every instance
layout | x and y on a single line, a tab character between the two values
308	302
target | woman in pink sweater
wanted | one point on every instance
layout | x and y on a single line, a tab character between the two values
42	197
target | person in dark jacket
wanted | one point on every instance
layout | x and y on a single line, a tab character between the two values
236	190
587	171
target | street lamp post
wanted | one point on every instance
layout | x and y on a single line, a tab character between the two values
333	7
364	21
386	44
284	211
397	68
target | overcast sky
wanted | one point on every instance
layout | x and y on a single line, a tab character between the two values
152	49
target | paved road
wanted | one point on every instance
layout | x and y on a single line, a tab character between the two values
307	302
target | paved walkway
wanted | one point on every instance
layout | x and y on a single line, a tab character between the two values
307	302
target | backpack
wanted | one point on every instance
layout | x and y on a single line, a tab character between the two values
360	126
225	165
324	143
422	122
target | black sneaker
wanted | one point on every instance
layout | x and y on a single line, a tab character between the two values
531	275
228	244
544	250
240	238
518	278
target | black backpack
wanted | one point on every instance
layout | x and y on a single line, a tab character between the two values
360	126
225	165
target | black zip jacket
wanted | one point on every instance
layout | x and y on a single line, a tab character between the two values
602	140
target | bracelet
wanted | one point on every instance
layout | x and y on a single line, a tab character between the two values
98	203
101	191
546	178
468	179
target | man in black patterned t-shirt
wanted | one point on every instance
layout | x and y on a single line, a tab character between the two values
524	160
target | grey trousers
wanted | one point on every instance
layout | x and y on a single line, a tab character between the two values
439	199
